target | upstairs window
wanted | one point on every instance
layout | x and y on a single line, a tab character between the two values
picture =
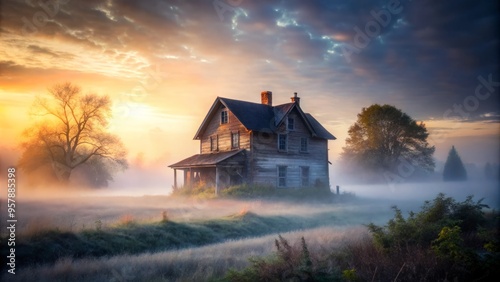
235	140
282	142
304	143
291	124
223	117
282	173
214	143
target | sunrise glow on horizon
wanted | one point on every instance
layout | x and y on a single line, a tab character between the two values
164	63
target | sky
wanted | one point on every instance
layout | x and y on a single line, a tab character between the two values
164	63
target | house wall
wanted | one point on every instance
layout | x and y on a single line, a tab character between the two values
266	156
223	131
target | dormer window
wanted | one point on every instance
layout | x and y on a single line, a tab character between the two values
223	117
291	124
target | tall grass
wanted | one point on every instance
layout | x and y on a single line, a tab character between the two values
57	239
265	192
192	264
130	237
445	240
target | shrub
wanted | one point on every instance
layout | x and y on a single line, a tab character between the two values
127	220
248	191
422	228
349	275
200	190
446	232
449	244
164	217
288	263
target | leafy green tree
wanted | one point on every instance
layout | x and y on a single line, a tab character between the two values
384	136
72	134
454	169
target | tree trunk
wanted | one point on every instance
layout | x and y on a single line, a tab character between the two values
62	172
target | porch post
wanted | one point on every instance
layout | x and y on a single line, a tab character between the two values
175	179
216	180
190	178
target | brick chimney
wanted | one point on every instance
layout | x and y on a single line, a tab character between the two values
295	98
266	98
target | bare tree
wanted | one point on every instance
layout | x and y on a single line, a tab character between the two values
72	133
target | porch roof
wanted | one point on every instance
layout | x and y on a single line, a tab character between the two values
203	160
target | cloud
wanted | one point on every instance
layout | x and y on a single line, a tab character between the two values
426	59
493	117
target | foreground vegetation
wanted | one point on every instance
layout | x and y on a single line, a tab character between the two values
246	192
446	240
205	263
132	238
129	236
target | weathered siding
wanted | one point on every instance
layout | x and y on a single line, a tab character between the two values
223	131
266	157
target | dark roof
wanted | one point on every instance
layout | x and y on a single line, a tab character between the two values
201	160
252	115
281	111
259	117
321	132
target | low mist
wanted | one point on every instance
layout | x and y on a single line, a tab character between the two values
419	192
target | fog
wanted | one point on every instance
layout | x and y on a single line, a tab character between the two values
141	192
405	192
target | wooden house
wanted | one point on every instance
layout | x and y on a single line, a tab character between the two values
245	142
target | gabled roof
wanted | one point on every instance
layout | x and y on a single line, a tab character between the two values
321	132
202	160
259	117
252	115
281	111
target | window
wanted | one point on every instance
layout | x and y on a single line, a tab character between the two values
282	142
214	143
282	170
304	176
303	144
291	124
223	117
235	140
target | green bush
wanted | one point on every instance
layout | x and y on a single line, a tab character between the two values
422	228
248	191
201	191
447	232
445	241
288	263
254	191
449	244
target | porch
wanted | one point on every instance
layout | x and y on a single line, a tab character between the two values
216	169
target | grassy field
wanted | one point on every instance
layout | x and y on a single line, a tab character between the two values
58	233
159	238
190	264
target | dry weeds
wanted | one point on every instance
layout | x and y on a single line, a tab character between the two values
194	264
